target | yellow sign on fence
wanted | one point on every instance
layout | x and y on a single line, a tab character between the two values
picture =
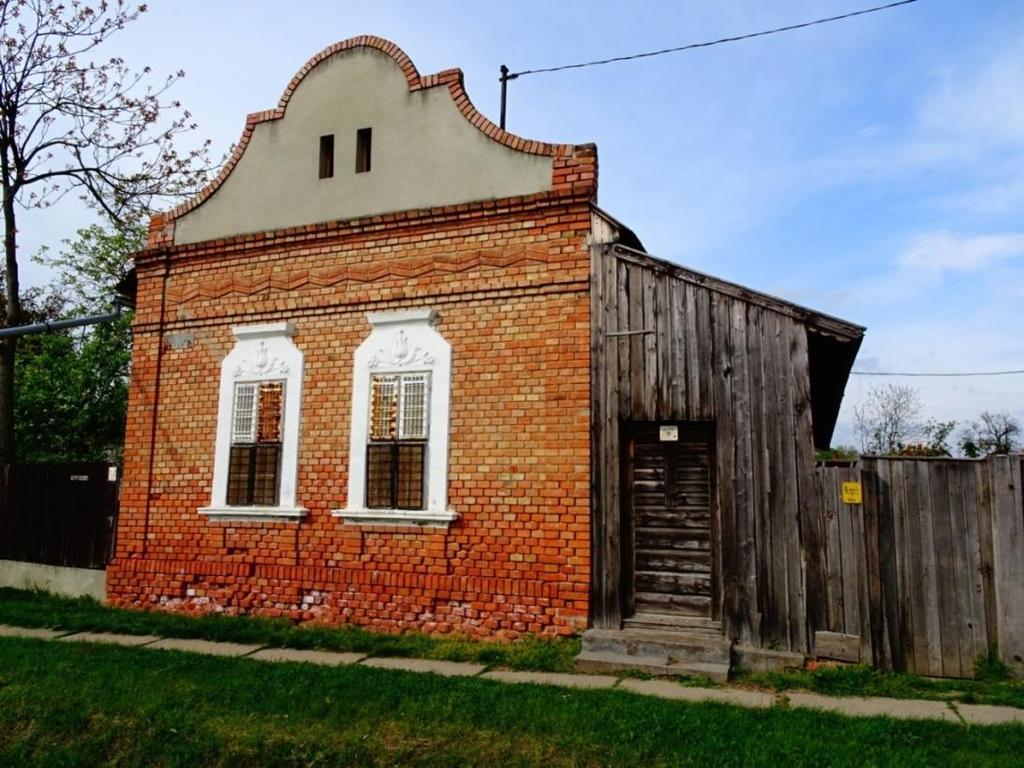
851	493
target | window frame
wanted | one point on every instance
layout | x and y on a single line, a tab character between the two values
399	439
262	353
248	441
402	342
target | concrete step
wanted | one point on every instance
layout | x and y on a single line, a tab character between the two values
677	647
659	666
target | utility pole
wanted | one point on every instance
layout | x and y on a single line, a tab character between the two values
504	78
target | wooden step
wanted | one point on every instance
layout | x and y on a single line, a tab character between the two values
659	666
675	647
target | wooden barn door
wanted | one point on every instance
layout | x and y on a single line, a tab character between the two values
669	519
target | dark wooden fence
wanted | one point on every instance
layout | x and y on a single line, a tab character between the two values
58	514
927	573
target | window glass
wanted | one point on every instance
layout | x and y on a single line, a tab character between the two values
396	454
255	460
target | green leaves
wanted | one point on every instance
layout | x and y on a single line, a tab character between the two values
72	394
72	386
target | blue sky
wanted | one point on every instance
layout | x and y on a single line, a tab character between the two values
871	168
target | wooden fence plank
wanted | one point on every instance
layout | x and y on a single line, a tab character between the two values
891	559
928	575
851	619
929	571
962	567
1008	559
946	576
859	590
970	551
833	559
986	501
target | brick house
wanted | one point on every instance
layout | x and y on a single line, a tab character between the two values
380	376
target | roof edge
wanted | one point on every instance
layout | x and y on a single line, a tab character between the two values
821	321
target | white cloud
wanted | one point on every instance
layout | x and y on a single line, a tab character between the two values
945	251
982	106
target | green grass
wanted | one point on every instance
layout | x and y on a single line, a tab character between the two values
859	680
39	609
94	705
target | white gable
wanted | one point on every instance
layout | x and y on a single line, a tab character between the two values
425	153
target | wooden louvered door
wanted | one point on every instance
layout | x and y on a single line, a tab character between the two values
670	498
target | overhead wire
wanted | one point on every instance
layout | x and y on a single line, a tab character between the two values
709	43
938	374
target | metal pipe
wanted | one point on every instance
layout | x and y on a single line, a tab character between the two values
60	325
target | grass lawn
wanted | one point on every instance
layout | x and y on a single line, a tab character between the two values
38	609
90	705
27	608
865	681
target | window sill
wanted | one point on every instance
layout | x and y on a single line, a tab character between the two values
424	518
253	513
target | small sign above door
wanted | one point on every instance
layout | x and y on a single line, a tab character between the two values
668	434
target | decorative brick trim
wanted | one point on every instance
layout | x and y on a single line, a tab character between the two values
415	266
567	176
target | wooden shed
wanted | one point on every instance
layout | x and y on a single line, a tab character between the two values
708	401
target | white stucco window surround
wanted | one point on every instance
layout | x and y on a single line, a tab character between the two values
262	353
402	343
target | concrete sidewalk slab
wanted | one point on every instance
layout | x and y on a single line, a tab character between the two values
667	689
446	668
107	637
554	678
36	633
323	658
987	714
900	709
853	706
207	647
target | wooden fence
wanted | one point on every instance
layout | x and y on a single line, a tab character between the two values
927	573
58	514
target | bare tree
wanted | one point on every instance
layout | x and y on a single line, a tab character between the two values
887	419
69	121
992	433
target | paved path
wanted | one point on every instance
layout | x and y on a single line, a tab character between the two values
851	706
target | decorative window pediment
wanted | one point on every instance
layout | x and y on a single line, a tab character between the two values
398	448
255	466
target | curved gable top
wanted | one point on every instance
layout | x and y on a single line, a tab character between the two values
429	148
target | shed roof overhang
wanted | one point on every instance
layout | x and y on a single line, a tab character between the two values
832	343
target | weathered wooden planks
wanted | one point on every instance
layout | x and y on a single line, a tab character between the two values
936	568
684	351
1007	559
670	513
927	573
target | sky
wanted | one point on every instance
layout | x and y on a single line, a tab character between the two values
872	168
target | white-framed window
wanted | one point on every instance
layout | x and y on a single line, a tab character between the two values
254	468
398	447
255	465
396	450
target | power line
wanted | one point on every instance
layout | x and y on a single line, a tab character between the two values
709	43
945	374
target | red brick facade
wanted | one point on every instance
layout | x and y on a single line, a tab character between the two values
510	282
